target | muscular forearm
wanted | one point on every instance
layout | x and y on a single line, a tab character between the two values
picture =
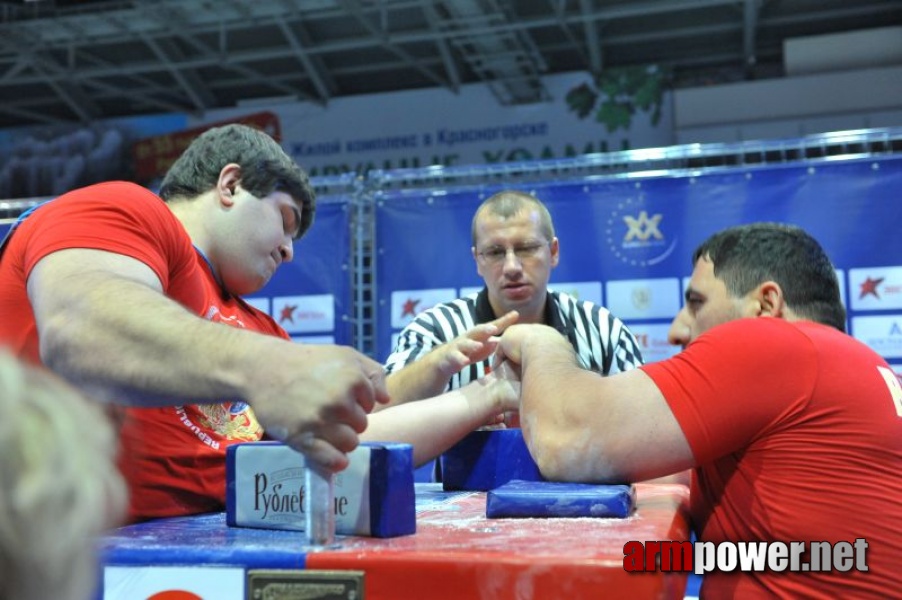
104	322
580	426
548	365
418	380
124	336
435	424
554	389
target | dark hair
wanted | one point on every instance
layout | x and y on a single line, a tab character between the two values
265	168
748	255
508	203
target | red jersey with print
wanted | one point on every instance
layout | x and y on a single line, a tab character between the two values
173	458
796	428
116	217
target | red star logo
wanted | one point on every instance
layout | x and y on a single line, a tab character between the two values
287	313
410	307
870	287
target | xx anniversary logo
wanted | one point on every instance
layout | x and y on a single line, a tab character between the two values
637	234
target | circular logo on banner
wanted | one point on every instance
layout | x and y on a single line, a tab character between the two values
641	298
174	595
637	234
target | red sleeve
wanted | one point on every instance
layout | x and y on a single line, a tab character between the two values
730	385
116	217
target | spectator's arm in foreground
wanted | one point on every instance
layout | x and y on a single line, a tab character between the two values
104	323
580	426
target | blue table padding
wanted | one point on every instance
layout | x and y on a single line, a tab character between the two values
456	553
484	460
203	540
392	497
552	499
207	539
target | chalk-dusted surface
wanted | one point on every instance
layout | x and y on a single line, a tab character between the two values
457	553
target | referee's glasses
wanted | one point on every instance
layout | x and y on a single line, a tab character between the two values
495	255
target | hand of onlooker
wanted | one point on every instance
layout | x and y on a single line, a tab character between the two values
316	399
472	346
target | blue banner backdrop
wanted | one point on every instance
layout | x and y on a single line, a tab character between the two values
627	242
310	297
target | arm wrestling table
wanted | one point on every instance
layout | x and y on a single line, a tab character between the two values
457	553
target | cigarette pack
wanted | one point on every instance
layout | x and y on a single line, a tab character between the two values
374	496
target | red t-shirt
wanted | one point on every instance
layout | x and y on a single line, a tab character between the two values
117	217
797	438
173	458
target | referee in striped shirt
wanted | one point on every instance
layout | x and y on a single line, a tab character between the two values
451	344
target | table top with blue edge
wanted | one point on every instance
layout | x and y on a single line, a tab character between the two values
455	542
207	539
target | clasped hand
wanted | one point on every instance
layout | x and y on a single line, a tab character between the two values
472	346
316	400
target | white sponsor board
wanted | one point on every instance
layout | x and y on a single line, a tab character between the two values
305	314
141	583
406	304
585	291
652	338
876	288
637	299
882	333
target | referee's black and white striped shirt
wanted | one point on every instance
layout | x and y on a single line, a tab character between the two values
601	341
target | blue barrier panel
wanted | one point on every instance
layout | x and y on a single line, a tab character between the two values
627	241
310	297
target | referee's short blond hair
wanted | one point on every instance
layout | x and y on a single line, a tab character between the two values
508	203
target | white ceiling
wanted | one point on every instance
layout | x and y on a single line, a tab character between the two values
79	61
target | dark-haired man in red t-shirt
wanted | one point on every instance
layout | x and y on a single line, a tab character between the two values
126	294
104	286
793	429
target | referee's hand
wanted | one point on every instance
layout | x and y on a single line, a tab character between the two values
472	346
